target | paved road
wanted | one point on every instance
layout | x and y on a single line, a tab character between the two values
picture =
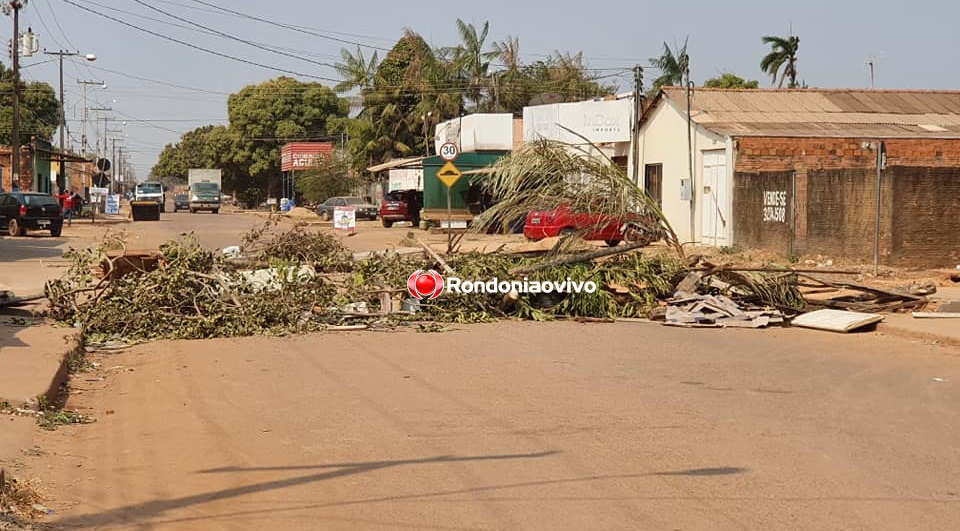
517	426
22	257
508	426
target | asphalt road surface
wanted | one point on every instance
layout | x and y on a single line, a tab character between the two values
516	426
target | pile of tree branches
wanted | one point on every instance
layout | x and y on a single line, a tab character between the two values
297	280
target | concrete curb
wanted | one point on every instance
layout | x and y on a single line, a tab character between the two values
48	373
921	335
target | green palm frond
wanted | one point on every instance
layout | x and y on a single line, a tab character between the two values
544	174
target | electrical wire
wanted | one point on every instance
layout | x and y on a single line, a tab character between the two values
232	37
194	46
288	26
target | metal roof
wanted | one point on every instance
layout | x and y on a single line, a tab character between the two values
821	112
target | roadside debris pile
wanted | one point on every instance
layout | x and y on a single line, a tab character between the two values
297	280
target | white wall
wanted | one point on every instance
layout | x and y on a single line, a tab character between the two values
601	122
663	140
477	132
405	179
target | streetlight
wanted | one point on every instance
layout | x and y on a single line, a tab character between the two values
15	6
61	176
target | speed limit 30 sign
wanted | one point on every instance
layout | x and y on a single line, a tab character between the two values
449	151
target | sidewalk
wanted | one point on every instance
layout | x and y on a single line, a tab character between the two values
944	331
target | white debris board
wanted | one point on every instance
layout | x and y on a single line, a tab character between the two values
836	320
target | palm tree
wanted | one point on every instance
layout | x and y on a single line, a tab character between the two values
783	54
471	61
356	70
674	66
508	53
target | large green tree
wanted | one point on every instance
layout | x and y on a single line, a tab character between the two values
264	117
783	54
39	109
416	86
190	152
731	81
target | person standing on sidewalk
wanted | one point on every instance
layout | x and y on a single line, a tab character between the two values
67	198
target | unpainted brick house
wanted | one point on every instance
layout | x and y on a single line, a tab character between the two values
796	171
40	170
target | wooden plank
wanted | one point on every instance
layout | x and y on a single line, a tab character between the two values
836	320
936	315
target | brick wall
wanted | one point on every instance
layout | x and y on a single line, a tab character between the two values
762	210
926	216
756	154
832	198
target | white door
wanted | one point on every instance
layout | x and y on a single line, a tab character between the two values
715	209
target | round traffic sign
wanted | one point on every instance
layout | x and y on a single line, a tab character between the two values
449	151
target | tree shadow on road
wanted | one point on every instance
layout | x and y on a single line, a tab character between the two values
29	247
142	512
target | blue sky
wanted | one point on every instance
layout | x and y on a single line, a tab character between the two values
913	44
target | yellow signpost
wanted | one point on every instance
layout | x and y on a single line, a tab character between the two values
449	174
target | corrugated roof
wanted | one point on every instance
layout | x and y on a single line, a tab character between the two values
821	112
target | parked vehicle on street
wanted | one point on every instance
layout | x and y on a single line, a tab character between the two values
151	191
364	209
561	221
401	205
23	211
181	202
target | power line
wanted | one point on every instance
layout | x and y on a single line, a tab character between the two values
288	26
232	37
194	46
57	22
165	83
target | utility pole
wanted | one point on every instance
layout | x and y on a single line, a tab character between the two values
15	6
113	165
635	130
105	118
83	135
61	179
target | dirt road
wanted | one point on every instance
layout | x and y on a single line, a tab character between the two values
515	426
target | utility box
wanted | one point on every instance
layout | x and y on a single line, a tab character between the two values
145	210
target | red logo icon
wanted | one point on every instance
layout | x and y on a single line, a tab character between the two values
425	284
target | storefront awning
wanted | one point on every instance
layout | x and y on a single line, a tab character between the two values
55	155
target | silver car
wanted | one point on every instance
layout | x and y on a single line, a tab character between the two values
363	209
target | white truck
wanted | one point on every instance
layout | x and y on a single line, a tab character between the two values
150	191
205	193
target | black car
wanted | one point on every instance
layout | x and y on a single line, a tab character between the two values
181	201
23	211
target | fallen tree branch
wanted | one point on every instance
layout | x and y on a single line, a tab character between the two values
433	254
710	269
578	258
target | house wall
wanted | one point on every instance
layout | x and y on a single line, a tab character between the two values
27	178
828	188
663	140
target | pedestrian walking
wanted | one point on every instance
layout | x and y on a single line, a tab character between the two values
77	204
67	198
